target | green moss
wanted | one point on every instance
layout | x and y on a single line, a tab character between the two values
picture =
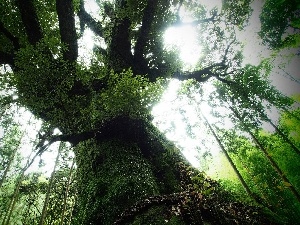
122	178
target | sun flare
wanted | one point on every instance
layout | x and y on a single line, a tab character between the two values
184	38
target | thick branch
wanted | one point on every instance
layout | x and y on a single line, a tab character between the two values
122	127
143	37
119	52
67	29
140	64
201	75
30	21
13	39
228	82
86	18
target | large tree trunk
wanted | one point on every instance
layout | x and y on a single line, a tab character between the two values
127	166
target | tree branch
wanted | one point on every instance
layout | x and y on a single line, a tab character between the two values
100	50
228	82
201	75
86	18
140	63
122	127
30	21
195	22
13	39
227	50
119	52
143	36
67	29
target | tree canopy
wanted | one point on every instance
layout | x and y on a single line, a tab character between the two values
124	170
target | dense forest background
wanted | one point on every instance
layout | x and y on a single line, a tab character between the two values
98	112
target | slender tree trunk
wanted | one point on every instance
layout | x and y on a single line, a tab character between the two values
289	76
272	162
291	114
238	174
8	166
71	211
44	212
10	161
256	184
284	137
13	201
21	176
67	192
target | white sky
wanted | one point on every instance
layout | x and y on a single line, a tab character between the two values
184	39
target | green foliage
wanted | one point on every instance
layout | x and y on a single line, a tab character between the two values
126	94
267	187
237	12
252	92
9	142
29	202
155	216
53	81
290	123
12	20
58	195
277	16
123	171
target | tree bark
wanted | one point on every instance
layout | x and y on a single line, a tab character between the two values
116	172
30	21
67	29
14	199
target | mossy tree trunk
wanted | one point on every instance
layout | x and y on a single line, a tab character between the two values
130	164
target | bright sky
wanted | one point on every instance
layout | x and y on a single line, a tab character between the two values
184	38
169	120
166	112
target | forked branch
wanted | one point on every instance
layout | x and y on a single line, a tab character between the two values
87	19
